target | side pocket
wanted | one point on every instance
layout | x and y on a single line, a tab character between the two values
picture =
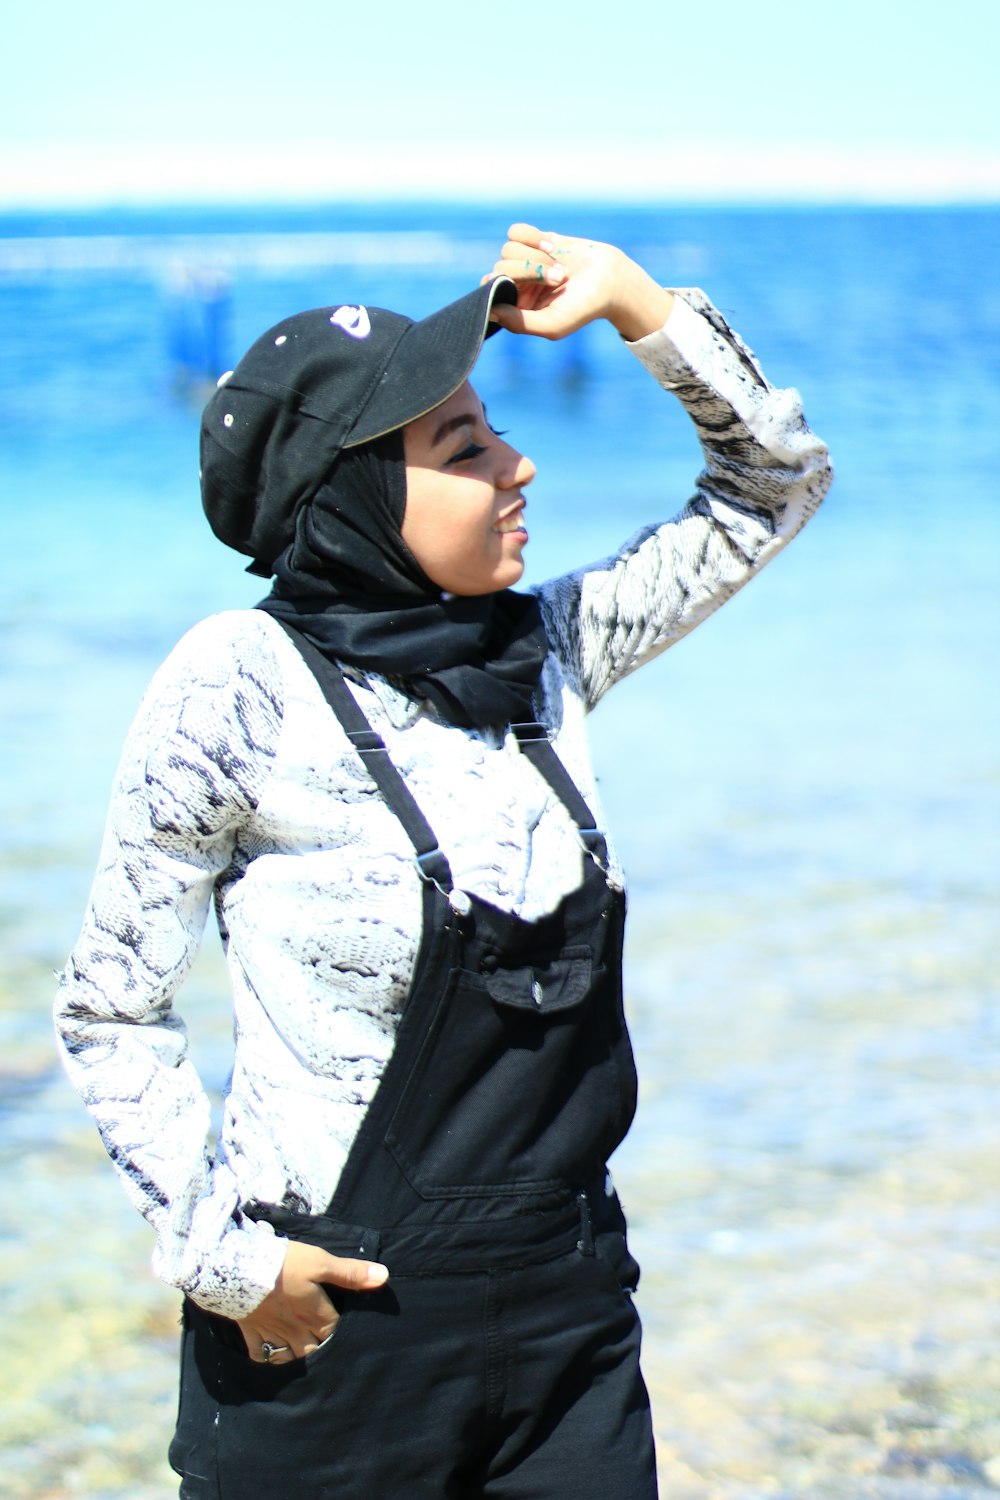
611	1247
193	1451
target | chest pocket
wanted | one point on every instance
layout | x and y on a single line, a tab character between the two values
518	1085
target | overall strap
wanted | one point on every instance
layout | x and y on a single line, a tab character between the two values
534	742
431	861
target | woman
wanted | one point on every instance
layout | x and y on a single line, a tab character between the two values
405	1266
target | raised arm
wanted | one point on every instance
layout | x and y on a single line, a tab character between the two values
765	470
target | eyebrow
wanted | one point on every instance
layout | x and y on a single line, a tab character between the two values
451	424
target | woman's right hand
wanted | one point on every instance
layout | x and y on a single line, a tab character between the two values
295	1318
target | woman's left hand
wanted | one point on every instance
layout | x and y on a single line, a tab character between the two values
565	282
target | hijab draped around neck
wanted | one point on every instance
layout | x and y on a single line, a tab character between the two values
350	584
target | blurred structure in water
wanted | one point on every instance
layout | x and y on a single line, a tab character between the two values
199	308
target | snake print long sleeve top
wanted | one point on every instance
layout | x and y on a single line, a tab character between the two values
237	786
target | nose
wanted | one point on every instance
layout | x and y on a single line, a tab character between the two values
516	469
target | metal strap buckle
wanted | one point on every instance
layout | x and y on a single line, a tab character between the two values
427	875
366	741
530	731
585	835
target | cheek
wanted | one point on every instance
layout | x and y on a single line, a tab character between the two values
424	522
417	514
458	550
446	521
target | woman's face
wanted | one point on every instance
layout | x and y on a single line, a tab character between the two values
464	506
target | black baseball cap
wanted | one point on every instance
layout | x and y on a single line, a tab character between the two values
317	383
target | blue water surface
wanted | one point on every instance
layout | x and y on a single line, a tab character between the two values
863	660
806	791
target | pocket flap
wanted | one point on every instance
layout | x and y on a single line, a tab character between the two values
543	988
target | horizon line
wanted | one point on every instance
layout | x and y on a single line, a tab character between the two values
71	176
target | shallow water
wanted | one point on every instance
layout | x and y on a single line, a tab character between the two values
806	792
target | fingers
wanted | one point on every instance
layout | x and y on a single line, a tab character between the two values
565	282
527	268
353	1275
285	1334
270	1352
536	248
538	239
269	1344
529	321
508	317
298	1315
530	257
306	1265
525	262
555	247
281	1332
525	234
542	261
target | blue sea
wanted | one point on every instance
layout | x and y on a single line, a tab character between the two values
806	793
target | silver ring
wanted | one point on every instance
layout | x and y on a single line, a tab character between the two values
266	1350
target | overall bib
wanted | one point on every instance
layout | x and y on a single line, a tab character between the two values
501	1359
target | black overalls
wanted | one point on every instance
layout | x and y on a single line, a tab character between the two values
501	1358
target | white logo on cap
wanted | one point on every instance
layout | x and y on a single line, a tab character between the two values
353	320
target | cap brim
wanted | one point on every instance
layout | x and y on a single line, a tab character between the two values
433	358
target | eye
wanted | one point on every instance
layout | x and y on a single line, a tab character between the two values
470	451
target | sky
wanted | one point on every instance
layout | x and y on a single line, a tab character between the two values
785	100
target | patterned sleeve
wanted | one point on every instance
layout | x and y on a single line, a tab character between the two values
192	769
765	474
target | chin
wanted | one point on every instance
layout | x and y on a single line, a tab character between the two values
514	574
504	578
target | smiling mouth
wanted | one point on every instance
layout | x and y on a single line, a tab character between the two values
512	522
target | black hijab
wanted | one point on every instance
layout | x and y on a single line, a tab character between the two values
350	584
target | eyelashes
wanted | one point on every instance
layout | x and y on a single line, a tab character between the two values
473	450
470	451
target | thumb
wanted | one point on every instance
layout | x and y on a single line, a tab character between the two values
508	316
353	1275
553	322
